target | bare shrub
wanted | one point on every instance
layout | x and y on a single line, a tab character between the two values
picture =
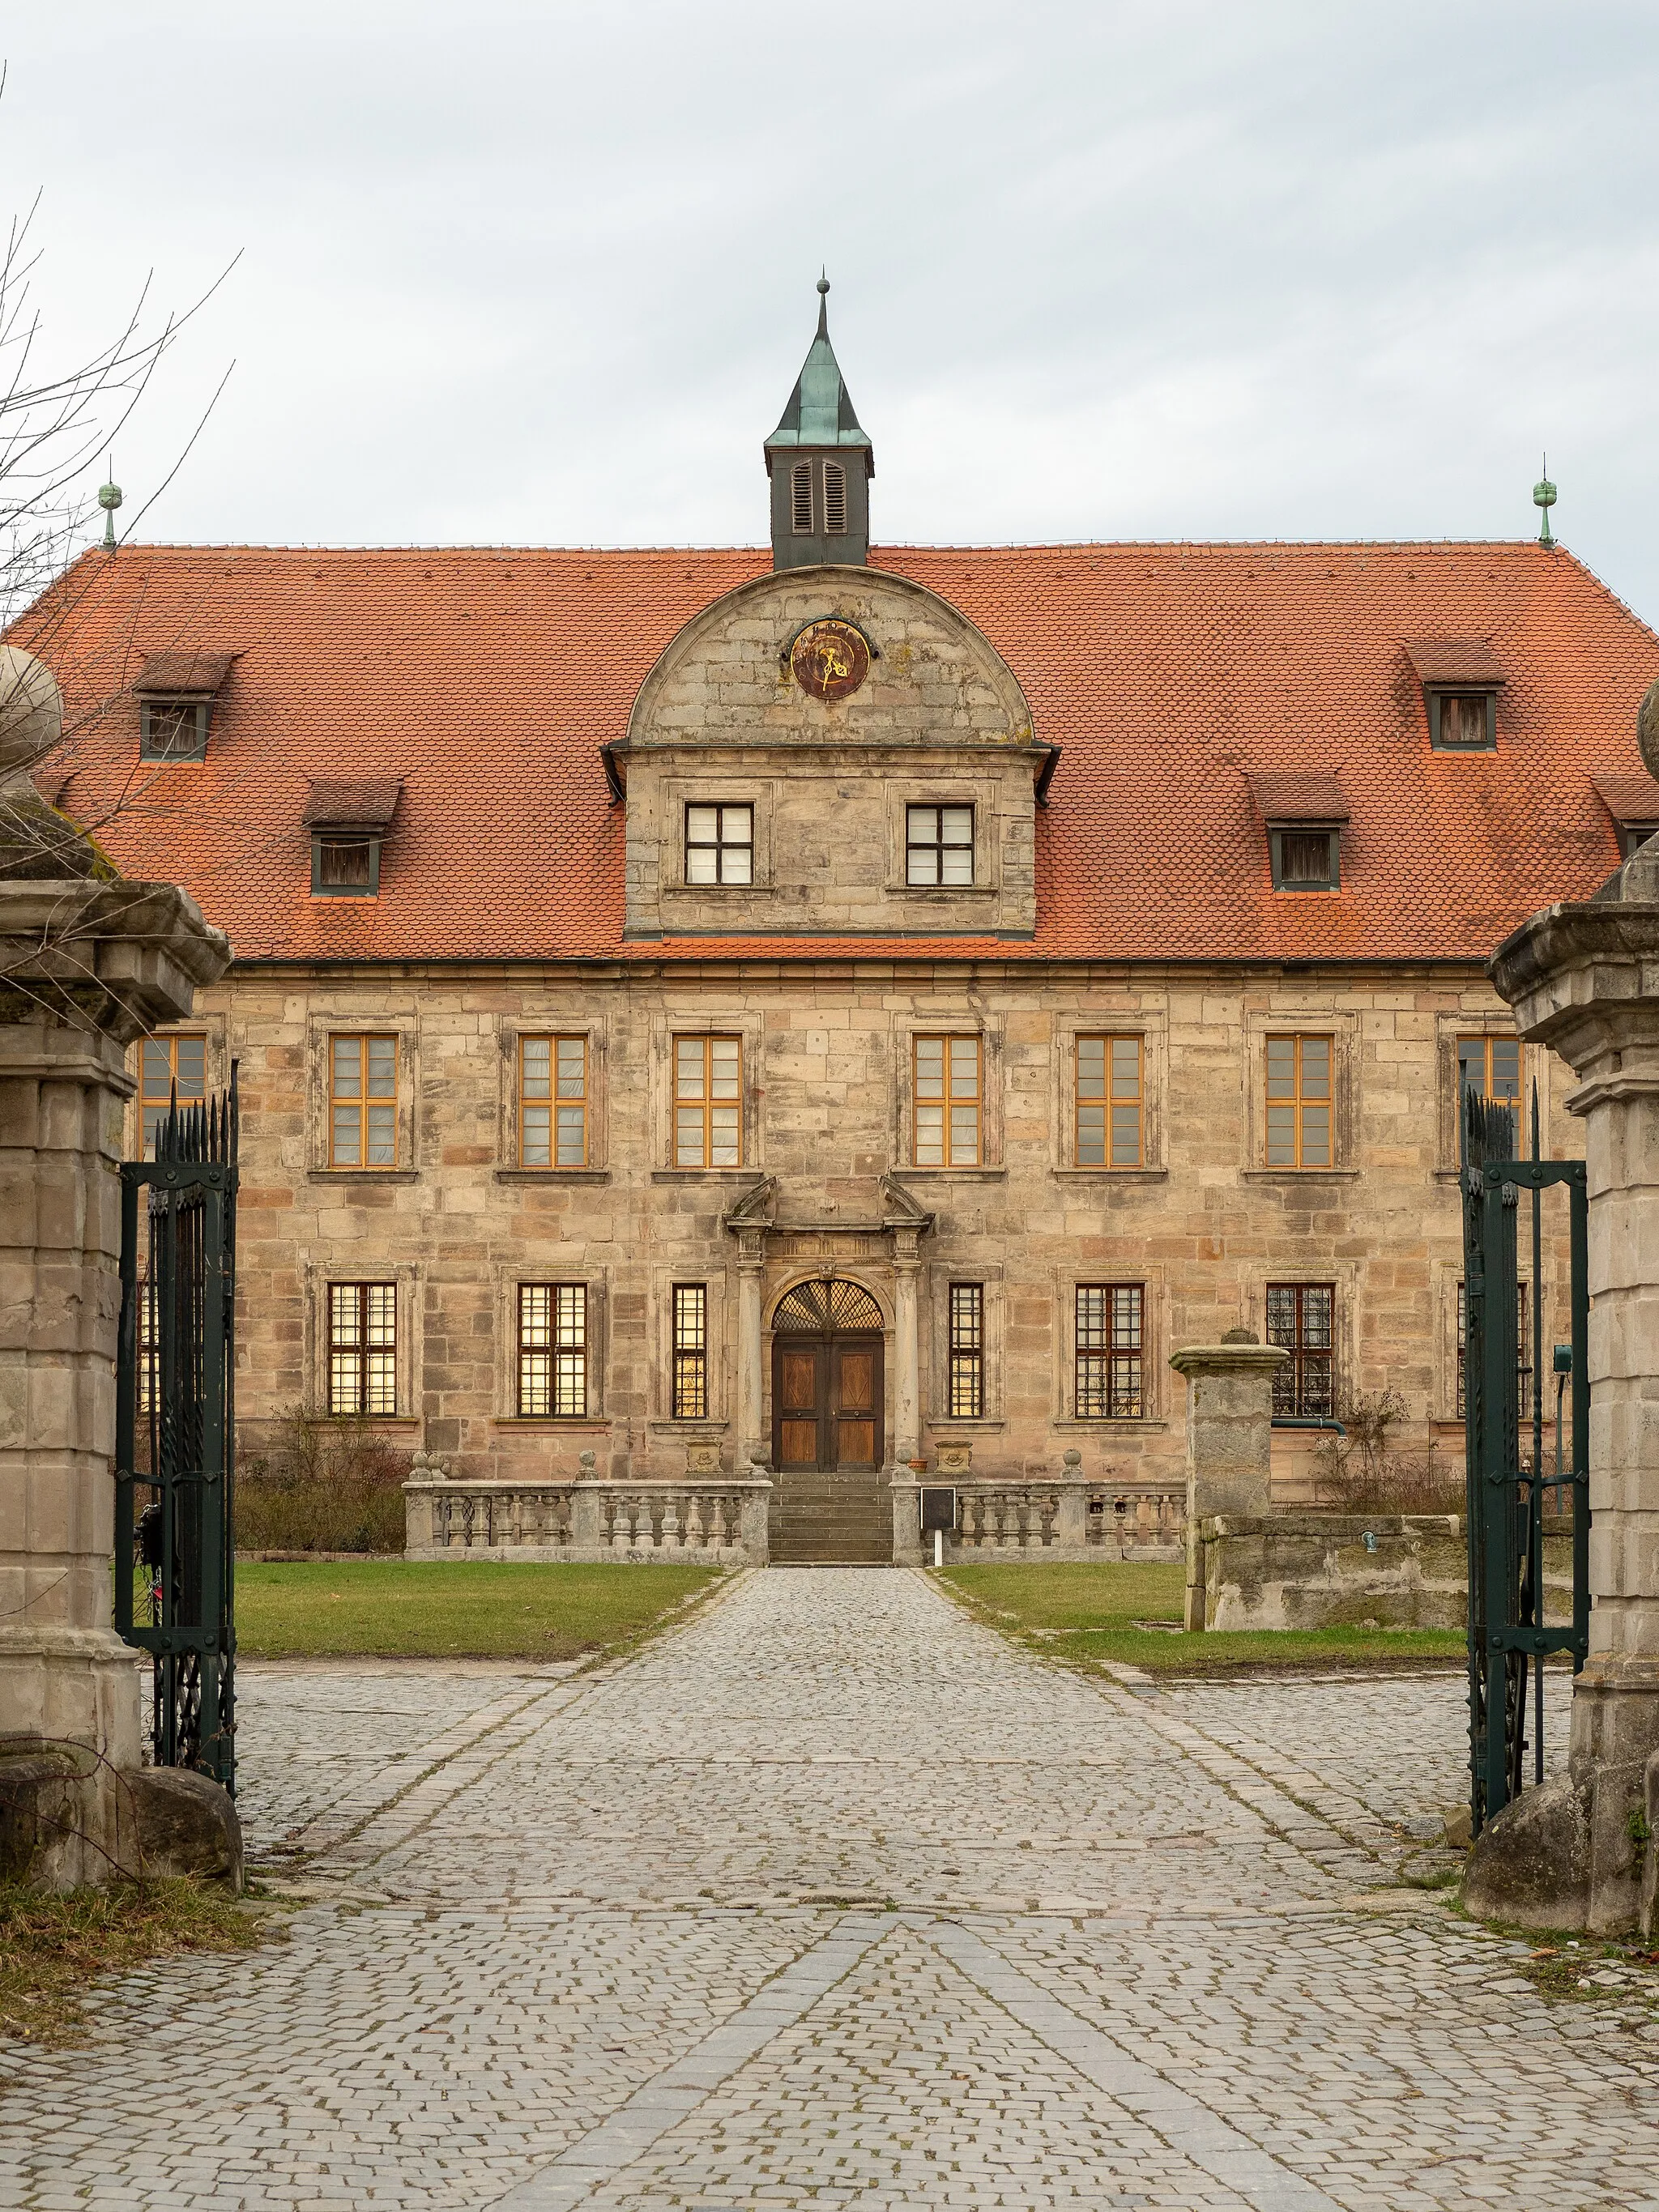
327	1486
1358	1473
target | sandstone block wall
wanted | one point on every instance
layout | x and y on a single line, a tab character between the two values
1204	1224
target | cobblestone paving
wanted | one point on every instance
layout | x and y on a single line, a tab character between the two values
832	1898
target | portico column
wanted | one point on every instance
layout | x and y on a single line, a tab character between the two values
751	1392
1585	980
907	1374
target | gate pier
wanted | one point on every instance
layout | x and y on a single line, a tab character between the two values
1585	980
85	965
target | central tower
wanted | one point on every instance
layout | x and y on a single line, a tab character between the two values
820	463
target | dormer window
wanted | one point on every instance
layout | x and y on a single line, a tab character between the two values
348	819
1633	803
1304	817
1461	681
173	729
175	692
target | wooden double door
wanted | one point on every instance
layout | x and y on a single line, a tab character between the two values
826	1402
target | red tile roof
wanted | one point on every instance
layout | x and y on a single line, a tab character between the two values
1170	674
182	675
1455	660
1629	798
360	802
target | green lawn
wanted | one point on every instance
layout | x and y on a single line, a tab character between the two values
399	1609
1088	1614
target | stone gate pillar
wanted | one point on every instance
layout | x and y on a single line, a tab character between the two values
1229	1406
86	964
1585	980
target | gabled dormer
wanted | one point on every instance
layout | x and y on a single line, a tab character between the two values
820	463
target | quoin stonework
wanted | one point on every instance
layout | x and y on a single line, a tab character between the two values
837	1008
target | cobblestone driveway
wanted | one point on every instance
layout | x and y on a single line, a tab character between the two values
830	1899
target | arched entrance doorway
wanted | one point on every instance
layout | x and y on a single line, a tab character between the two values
827	1426
826	1377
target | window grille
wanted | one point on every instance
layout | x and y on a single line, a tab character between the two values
163	1063
938	845
1522	1352
835	499
173	729
1302	1317
553	1350
837	1307
1490	1067
801	499
690	1377
1298	1102
362	1348
1110	1131
720	844
362	1102
1109	1319
708	1102
967	1393
946	1104
553	1101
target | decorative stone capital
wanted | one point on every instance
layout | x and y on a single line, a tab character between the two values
1584	979
1259	1361
119	959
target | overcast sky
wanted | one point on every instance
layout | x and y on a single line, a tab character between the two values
528	270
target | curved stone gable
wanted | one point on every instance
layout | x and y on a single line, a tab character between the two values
934	678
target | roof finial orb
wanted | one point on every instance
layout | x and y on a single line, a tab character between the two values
824	304
109	498
823	283
1543	498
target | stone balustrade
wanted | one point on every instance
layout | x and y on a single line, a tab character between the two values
1053	1517
718	1519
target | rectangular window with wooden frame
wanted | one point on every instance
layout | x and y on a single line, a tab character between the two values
167	1066
1110	1344
967	1391
552	1351
947	1102
720	844
1522	1352
553	1101
708	1102
690	1375
1302	1317
1490	1066
362	1102
1299	1101
1111	1129
363	1348
938	846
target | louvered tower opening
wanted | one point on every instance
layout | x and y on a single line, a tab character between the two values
835	499
800	497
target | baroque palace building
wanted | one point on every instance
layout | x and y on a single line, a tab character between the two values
818	1005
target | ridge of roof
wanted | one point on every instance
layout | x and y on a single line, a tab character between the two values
309	546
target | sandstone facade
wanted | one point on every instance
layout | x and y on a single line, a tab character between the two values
1205	1225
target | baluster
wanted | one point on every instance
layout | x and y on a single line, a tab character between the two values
694	1533
669	1540
718	1534
620	1527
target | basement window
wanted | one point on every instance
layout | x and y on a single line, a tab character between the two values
173	729
1306	856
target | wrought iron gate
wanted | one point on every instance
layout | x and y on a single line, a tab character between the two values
175	1428
1506	1491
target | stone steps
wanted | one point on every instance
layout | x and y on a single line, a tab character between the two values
828	1518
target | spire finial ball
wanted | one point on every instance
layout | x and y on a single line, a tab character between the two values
824	285
109	497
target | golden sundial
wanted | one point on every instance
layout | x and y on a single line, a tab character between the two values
829	659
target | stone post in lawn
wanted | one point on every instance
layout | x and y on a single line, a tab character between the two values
88	963
1230	1404
1585	980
